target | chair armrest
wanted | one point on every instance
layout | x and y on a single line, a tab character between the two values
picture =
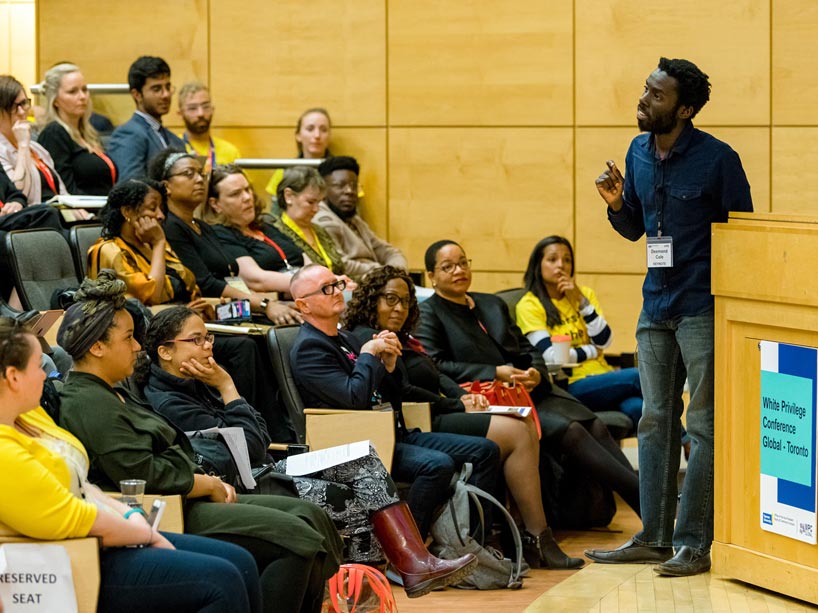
332	427
173	520
417	415
84	556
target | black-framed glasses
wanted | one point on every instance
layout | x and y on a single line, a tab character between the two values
448	267
328	289
189	173
24	105
393	299
196	340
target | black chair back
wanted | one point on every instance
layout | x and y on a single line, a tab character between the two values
280	340
41	263
81	238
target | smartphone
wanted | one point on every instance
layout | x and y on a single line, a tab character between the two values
234	311
156	512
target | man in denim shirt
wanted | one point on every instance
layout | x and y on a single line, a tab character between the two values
678	181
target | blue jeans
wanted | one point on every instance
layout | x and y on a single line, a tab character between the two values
611	391
201	575
429	460
669	351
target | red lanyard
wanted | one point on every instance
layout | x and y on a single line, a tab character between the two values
45	171
108	161
258	234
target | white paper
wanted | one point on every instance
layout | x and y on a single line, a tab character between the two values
37	577
316	461
234	329
498	409
237	444
78	202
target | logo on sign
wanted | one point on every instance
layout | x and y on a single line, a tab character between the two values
767	518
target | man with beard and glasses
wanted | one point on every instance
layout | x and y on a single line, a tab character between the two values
196	110
360	249
143	135
678	180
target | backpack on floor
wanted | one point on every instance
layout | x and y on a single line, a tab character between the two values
452	538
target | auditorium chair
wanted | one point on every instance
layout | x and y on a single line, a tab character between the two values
81	237
41	264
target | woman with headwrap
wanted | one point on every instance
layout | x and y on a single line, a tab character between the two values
294	542
46	496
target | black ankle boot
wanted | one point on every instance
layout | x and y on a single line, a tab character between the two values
542	551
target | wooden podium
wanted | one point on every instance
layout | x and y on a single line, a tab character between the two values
765	282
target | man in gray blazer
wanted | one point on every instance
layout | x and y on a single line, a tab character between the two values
143	136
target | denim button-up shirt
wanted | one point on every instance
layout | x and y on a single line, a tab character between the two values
697	184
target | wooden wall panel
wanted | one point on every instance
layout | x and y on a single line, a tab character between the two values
105	39
19	45
619	43
499	190
795	62
620	296
479	62
795	170
599	247
272	60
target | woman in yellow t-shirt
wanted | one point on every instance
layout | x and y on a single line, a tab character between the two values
46	496
555	305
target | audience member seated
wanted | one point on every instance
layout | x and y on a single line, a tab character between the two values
293	541
186	385
46	496
135	142
266	258
299	193
69	136
26	162
313	132
472	338
216	270
133	246
360	250
333	369
554	304
196	110
386	300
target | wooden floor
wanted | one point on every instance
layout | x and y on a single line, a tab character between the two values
606	588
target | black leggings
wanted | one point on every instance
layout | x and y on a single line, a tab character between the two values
289	583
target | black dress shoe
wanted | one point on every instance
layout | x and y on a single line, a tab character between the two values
685	563
630	553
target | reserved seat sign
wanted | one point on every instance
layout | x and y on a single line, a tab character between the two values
36	577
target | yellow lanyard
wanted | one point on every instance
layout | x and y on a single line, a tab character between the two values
319	247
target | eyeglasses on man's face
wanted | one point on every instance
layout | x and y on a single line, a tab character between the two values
392	299
196	340
448	267
328	289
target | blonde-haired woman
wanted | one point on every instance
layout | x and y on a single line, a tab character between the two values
69	136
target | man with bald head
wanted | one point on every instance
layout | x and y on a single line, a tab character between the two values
332	369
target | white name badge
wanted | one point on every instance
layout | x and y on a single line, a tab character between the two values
660	252
237	283
36	578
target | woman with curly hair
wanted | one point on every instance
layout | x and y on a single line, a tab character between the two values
386	300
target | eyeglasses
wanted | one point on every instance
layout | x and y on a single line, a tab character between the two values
192	108
448	267
189	173
393	299
328	289
23	106
196	340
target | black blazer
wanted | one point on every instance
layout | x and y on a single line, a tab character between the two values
326	375
452	335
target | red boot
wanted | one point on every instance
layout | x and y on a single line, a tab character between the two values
421	571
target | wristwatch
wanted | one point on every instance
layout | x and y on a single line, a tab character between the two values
265	302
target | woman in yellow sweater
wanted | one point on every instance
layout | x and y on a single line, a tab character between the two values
46	496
